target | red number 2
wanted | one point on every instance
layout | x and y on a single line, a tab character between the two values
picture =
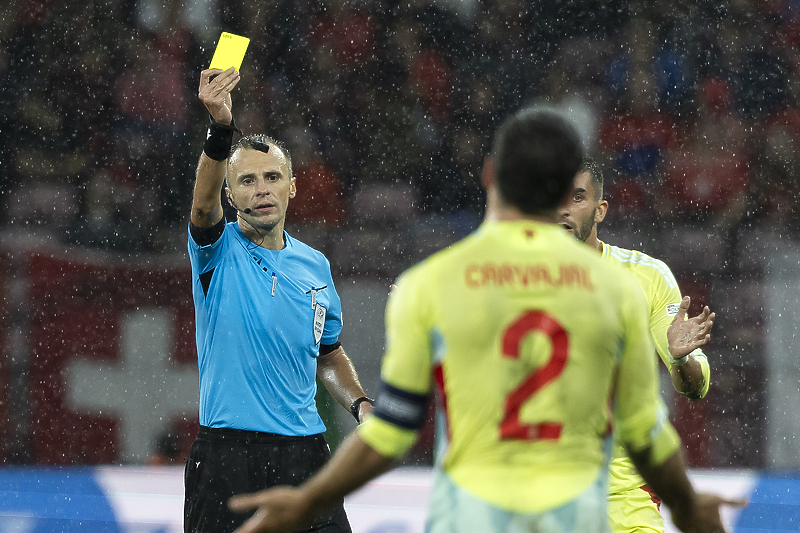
510	427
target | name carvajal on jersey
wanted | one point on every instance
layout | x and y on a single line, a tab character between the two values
527	275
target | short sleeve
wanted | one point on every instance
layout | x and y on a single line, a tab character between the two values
409	323
205	258
407	360
666	299
665	302
333	317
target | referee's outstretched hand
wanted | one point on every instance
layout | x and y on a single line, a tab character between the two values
279	509
216	93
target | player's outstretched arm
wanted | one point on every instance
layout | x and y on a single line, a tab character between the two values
684	336
215	94
337	373
691	512
289	508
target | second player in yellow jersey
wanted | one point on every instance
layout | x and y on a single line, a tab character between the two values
632	506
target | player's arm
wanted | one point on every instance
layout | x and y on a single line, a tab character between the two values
685	336
336	371
678	343
210	175
642	425
691	512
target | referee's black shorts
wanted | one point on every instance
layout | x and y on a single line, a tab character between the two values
224	462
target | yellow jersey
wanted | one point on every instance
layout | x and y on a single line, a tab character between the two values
532	340
663	299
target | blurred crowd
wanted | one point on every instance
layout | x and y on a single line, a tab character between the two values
691	107
388	107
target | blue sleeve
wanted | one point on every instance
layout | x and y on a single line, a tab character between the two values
333	319
205	258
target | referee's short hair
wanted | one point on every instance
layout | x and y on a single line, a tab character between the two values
537	154
262	143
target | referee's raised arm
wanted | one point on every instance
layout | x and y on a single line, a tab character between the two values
210	175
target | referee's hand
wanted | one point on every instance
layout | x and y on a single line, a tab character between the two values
279	509
216	93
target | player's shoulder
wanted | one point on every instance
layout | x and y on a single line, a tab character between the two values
639	263
436	262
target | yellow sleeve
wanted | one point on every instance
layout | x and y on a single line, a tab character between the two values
386	438
665	298
406	366
640	417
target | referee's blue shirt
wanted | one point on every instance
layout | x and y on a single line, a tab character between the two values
256	346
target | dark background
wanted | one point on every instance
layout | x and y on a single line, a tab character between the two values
388	109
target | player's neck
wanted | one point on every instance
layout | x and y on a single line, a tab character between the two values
593	241
506	216
499	210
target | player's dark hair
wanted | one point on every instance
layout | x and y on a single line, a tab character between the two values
596	174
262	143
537	155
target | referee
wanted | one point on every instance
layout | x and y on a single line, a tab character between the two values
268	320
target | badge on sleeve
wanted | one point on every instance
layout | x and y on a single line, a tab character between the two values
319	322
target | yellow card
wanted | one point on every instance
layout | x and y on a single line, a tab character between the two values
230	51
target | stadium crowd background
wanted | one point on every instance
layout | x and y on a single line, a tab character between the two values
692	108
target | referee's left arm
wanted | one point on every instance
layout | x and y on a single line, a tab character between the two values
336	371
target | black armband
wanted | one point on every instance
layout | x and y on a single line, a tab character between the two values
401	408
219	140
206	236
325	349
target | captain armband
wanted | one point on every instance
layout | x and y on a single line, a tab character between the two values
697	352
401	408
219	140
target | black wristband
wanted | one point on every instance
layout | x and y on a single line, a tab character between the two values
219	140
354	406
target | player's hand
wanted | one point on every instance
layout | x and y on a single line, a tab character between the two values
279	509
685	336
216	94
704	516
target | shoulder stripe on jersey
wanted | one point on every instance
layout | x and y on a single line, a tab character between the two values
631	256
